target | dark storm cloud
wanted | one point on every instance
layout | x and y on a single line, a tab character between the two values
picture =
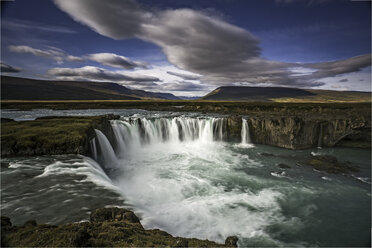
115	18
190	39
184	76
97	74
115	60
5	68
201	43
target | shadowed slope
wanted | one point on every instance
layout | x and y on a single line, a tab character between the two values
14	88
242	93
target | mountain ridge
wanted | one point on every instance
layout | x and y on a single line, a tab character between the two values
17	88
247	93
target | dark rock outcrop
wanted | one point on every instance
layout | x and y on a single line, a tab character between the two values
330	164
231	241
108	228
303	132
234	127
113	214
284	166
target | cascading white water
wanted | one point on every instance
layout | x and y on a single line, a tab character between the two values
133	133
172	165
107	155
93	147
246	138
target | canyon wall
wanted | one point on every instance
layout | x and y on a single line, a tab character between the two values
295	132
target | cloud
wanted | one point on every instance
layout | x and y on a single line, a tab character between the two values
190	39
202	43
182	86
51	53
97	74
109	59
74	58
115	60
5	68
343	80
338	67
184	76
28	26
115	18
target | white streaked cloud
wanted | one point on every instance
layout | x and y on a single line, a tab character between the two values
51	53
98	74
114	60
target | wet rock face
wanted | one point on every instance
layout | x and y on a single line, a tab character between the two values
231	241
234	127
109	227
330	164
284	166
113	214
302	133
5	222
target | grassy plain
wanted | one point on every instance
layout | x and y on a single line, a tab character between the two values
222	107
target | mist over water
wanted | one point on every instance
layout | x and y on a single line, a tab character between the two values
179	175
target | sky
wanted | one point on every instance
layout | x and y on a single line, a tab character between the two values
190	47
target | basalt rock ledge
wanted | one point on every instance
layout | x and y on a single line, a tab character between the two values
308	132
108	227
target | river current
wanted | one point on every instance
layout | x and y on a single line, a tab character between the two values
176	172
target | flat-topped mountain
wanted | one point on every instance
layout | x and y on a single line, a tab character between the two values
15	88
243	93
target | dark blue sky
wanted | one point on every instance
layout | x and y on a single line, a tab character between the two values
294	31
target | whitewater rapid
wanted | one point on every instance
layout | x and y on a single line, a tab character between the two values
179	176
175	174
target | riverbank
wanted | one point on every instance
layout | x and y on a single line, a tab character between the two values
51	135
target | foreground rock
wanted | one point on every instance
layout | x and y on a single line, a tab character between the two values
52	135
108	227
330	164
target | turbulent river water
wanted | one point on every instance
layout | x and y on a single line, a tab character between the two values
178	174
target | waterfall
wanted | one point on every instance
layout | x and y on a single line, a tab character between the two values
130	134
246	139
141	131
93	147
107	156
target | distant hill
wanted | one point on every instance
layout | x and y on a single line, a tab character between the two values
282	94
15	88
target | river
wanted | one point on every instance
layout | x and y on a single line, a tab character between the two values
177	174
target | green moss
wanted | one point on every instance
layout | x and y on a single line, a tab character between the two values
47	135
109	233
